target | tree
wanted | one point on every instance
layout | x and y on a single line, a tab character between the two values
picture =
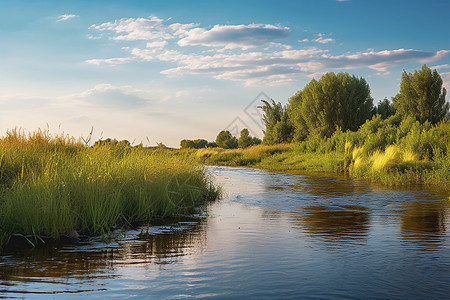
225	140
256	141
422	96
187	144
195	144
245	140
200	143
335	101
277	123
384	108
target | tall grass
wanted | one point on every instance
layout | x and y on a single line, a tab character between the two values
391	151
52	185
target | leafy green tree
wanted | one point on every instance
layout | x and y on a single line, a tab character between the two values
277	123
245	140
384	108
187	144
422	96
256	141
335	101
195	144
200	143
283	130
225	140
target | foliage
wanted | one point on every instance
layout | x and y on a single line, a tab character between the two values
335	101
53	185
194	144
225	140
422	96
245	140
277	123
384	108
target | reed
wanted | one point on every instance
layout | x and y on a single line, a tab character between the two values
53	185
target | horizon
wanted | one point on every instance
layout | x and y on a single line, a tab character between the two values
165	71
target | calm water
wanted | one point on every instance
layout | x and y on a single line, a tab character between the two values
272	236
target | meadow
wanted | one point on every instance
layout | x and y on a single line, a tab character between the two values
51	186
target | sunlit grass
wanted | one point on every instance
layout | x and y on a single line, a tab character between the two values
53	185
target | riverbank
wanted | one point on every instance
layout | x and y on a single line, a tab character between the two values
53	186
391	167
391	151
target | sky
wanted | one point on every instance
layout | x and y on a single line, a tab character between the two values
162	71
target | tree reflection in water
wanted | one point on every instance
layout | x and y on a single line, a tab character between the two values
425	224
93	261
348	224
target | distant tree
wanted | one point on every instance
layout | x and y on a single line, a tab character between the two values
245	140
422	96
256	141
211	145
335	101
187	144
195	144
277	123
200	143
384	108
225	140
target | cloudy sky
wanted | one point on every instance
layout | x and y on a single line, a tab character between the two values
160	71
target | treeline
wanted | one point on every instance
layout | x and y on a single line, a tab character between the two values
224	140
332	126
343	102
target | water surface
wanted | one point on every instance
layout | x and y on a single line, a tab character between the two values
272	236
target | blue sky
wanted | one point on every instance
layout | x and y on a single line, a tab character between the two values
168	70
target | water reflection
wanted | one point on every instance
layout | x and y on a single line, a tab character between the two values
269	238
97	260
334	224
424	224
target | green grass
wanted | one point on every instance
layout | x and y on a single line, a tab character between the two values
52	185
391	151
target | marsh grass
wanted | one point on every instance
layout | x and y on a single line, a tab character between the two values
53	185
391	151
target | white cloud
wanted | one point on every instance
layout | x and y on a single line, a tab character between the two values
322	40
438	67
133	29
446	80
235	36
182	93
245	53
382	60
156	44
66	17
110	61
109	96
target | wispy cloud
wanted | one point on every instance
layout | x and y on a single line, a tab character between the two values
235	36
134	29
322	40
109	96
438	67
245	53
66	17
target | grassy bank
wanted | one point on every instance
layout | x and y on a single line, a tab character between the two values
51	186
391	151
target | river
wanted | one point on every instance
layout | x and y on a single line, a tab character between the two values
271	236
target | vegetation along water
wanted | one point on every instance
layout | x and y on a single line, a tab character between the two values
332	126
55	186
